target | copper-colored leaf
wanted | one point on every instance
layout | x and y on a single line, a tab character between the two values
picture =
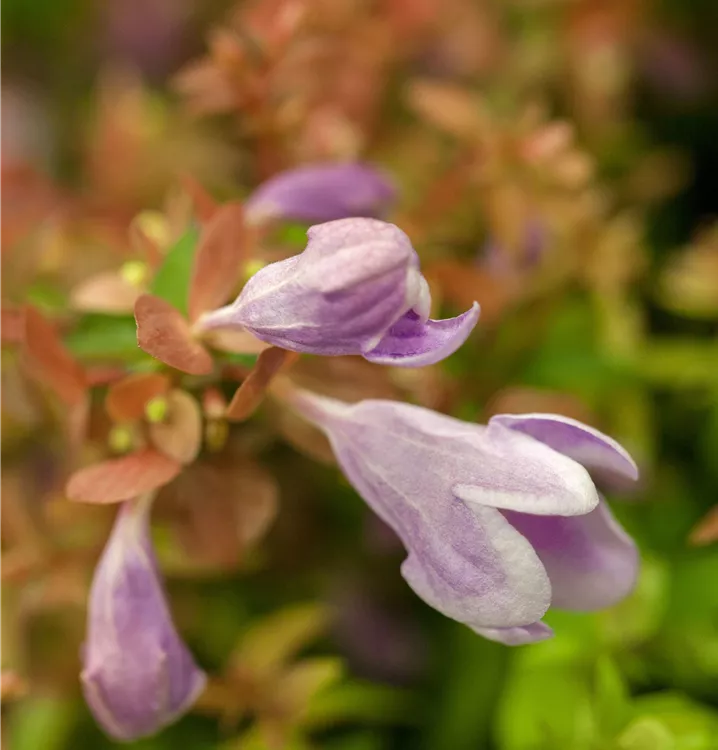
249	395
220	508
122	478
706	531
127	399
179	436
204	204
462	284
13	325
166	335
12	686
451	108
49	360
105	292
220	254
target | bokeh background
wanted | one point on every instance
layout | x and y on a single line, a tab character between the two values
556	160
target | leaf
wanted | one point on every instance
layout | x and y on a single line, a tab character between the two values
179	436
106	292
127	399
13	325
301	682
221	508
361	702
250	394
166	335
49	360
204	204
449	107
462	285
273	641
172	280
218	261
122	478
105	337
706	531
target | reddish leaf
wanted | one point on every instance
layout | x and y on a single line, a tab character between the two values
13	325
221	508
706	531
49	360
462	285
106	292
205	206
126	400
179	436
220	253
166	335
249	395
237	342
122	478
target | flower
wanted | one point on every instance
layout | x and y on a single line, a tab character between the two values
138	675
356	289
499	521
321	193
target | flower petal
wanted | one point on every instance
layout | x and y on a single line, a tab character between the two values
540	481
138	675
591	561
473	567
605	459
322	193
519	635
411	343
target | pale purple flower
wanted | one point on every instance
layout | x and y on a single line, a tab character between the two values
356	289
322	192
499	521
138	675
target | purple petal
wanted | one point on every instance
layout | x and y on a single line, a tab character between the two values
541	481
138	675
519	635
606	460
411	343
464	558
322	193
339	296
591	562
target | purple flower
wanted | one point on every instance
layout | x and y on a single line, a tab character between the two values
322	193
138	675
356	289
499	521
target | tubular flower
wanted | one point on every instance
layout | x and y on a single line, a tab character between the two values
138	675
322	193
499	521
356	289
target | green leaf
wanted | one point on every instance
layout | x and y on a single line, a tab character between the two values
647	734
678	363
171	282
691	725
360	702
41	723
546	708
456	722
612	705
105	337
